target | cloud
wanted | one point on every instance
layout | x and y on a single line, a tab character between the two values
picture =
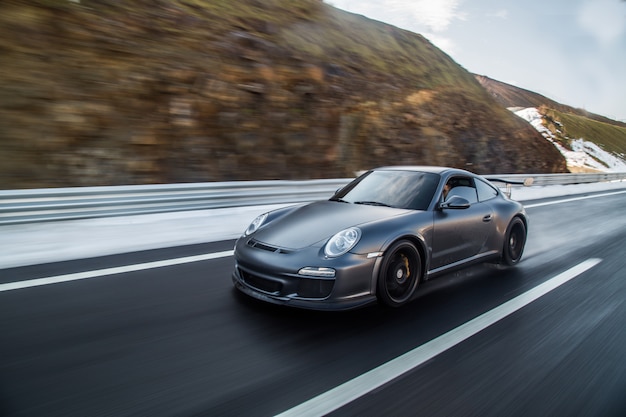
428	17
442	42
436	16
603	19
501	14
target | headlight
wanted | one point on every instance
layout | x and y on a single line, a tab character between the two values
256	223
342	242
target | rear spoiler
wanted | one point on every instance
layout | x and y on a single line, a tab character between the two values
526	183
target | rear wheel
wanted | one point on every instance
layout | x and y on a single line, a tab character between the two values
515	240
399	274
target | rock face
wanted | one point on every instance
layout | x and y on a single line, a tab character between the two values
113	92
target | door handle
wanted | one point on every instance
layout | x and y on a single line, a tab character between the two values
487	218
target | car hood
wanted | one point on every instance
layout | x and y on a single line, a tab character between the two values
310	224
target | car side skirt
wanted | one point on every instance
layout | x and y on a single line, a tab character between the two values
477	259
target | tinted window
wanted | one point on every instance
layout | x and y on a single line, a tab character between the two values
401	189
461	187
468	193
485	191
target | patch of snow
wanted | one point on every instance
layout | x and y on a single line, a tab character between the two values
614	163
532	116
584	154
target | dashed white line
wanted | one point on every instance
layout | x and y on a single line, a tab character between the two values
111	271
377	377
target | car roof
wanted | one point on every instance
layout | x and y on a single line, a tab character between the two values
424	168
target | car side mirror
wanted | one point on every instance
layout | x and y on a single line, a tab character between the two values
455	202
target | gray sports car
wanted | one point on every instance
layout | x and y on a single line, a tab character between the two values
378	238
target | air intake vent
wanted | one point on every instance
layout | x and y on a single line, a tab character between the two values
260	245
260	283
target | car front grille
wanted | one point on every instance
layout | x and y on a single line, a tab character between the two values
253	243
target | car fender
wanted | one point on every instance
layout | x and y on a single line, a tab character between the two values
420	243
379	236
506	211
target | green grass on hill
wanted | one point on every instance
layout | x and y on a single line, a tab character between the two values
610	137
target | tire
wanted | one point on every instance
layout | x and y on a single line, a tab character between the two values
400	273
514	242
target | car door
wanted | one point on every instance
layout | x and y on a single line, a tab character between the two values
461	233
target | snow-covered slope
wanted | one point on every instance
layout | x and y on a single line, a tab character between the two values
583	154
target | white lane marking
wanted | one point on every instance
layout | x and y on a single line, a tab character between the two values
111	271
567	200
377	377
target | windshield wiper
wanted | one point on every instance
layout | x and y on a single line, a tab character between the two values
339	199
373	203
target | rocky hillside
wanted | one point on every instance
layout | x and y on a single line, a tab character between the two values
107	92
589	142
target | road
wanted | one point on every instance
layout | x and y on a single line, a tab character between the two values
177	340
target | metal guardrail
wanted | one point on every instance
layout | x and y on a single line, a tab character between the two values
561	179
28	206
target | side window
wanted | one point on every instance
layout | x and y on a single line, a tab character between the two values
462	187
485	191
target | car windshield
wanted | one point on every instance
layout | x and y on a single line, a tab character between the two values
399	189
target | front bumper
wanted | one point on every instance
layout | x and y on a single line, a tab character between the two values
273	277
311	304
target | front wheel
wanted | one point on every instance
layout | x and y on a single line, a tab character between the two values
515	239
399	274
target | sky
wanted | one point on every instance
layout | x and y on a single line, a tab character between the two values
571	51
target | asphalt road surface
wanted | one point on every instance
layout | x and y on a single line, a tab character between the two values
175	339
